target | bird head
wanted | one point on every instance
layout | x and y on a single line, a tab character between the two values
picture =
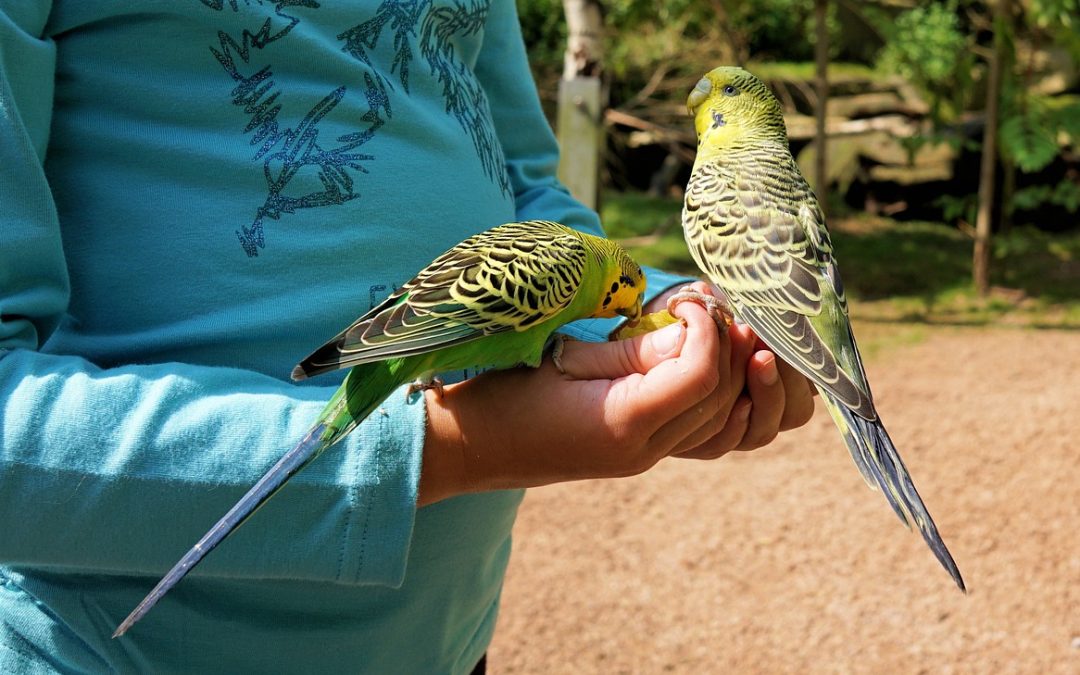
624	286
730	105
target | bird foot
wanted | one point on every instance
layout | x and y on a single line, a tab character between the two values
718	309
558	344
425	383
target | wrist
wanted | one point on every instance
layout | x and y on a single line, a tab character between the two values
442	473
468	448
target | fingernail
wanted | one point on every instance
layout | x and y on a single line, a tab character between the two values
666	340
769	373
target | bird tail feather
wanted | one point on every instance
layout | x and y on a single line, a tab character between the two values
364	389
880	464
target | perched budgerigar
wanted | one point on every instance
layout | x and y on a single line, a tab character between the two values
494	300
754	227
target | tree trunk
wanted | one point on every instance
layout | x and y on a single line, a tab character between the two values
584	39
821	84
582	101
988	165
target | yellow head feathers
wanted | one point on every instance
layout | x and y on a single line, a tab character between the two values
624	284
730	105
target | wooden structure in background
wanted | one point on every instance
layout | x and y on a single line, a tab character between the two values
582	101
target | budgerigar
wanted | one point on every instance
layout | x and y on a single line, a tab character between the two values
754	227
494	301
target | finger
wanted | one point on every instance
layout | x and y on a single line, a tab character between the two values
676	385
612	360
690	430
694	426
679	383
766	391
723	439
743	343
799	397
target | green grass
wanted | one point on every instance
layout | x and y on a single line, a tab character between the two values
899	272
807	70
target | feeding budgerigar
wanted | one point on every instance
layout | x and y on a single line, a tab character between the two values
493	301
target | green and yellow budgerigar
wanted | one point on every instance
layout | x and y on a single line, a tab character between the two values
494	301
754	227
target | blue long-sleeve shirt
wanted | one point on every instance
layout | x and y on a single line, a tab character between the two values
192	196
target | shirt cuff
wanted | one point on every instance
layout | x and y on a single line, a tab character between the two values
389	448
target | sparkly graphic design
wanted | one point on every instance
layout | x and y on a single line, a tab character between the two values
289	153
433	27
296	158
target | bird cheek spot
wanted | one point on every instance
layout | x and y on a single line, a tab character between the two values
717	120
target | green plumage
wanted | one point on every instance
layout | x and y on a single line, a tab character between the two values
492	301
753	225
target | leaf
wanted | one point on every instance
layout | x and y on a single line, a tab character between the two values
1067	118
1028	141
1065	194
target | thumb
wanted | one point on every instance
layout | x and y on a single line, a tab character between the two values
612	360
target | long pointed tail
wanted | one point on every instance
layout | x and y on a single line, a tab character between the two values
274	479
881	467
365	387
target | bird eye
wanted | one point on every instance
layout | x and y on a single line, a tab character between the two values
730	90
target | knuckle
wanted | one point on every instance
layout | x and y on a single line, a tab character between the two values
628	435
628	356
719	413
728	440
711	450
706	380
725	402
760	439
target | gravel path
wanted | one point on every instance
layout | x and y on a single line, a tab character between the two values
782	561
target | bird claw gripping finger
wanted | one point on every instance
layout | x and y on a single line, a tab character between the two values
558	344
718	309
423	384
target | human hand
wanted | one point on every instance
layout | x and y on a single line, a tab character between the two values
620	408
777	397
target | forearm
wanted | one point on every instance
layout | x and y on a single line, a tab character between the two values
119	470
480	437
467	450
443	473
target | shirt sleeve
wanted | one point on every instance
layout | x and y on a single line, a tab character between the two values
532	152
120	470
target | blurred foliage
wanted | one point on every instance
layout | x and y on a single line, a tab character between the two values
1028	134
958	208
933	45
1058	18
680	37
544	29
940	48
1066	194
929	47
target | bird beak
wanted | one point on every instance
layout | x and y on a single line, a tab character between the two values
632	313
698	95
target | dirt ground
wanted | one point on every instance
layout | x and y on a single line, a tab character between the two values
782	561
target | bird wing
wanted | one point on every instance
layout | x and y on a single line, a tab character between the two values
509	278
755	227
